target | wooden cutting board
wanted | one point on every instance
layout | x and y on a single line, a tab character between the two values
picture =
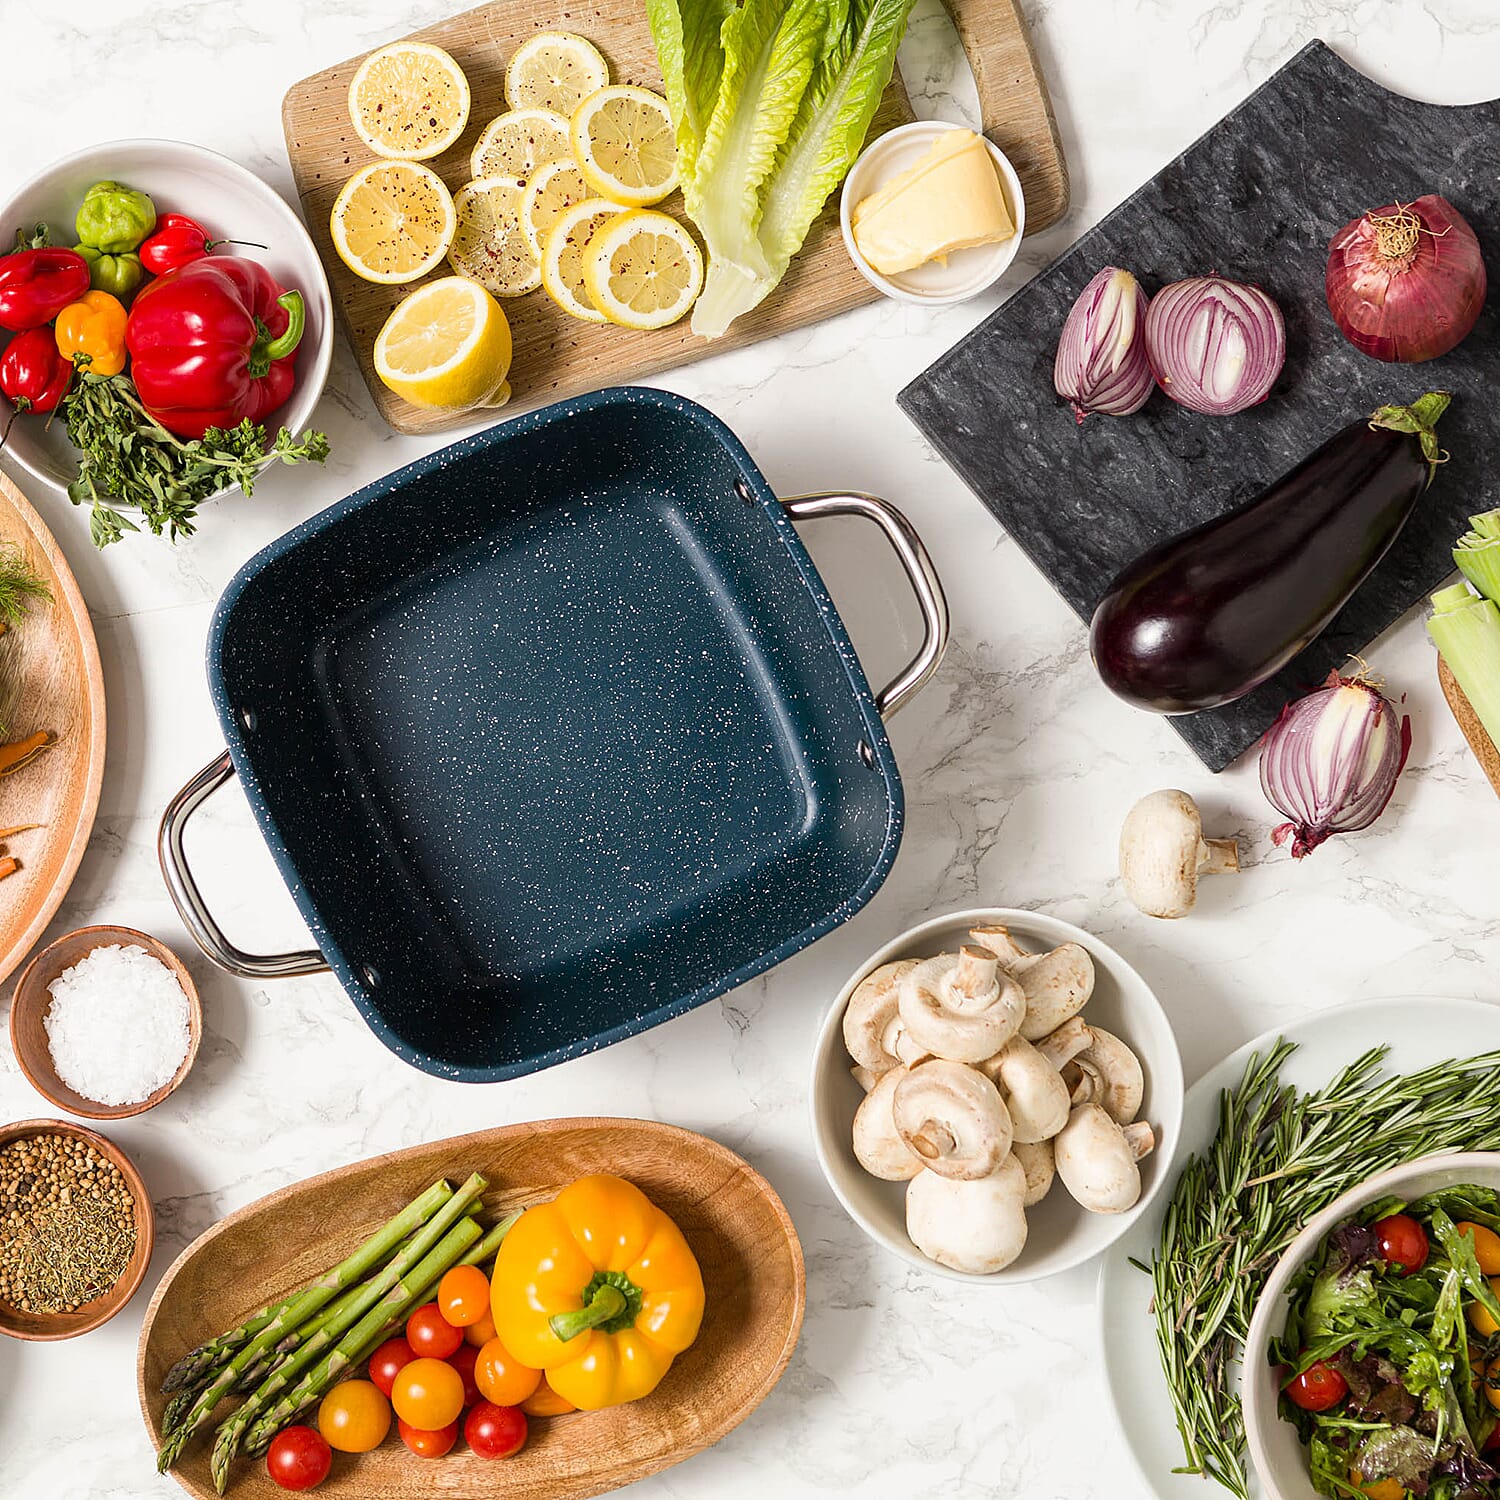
557	356
1468	721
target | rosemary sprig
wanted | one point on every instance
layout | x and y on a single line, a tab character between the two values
1278	1158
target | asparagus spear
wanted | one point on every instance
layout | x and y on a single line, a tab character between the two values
346	1312
362	1341
318	1294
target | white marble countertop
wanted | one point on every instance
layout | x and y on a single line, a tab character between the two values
1017	767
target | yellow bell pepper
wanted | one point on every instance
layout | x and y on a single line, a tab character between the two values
599	1289
93	325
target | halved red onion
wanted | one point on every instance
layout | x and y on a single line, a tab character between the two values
1215	346
1101	356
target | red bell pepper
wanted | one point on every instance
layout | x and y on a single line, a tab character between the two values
213	343
35	285
177	240
33	374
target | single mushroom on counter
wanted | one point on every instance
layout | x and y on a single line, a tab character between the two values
961	1006
877	1145
1057	984
953	1118
976	1225
1096	1159
1163	852
1033	1089
1039	1165
871	1017
1107	1073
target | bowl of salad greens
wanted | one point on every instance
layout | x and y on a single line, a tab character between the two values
1372	1363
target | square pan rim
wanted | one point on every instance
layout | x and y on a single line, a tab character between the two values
242	753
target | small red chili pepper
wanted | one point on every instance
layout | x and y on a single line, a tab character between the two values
176	241
35	285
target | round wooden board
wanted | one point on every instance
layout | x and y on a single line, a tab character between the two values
753	1275
49	679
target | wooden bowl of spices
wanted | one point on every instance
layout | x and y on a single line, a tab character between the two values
76	1230
105	1022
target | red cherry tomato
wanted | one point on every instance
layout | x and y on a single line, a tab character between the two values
1317	1388
1492	1442
430	1334
1402	1242
298	1458
495	1431
428	1444
464	1295
462	1359
386	1362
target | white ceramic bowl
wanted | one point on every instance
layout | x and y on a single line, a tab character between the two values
1276	1452
1060	1234
968	272
228	201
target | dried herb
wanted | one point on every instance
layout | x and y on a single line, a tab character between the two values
20	585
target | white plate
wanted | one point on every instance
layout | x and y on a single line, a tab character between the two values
1418	1031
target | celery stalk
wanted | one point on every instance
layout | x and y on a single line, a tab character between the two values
1466	629
1477	554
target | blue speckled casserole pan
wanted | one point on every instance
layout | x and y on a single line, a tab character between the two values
554	734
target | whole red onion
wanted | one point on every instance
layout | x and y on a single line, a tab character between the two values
1101	356
1406	282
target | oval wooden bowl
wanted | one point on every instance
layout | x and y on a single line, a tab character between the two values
32	1001
48	1327
744	1240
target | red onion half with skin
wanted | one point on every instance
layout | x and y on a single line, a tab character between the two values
1101	356
1329	764
1406	282
1215	346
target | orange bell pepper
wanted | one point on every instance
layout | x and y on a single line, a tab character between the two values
93	325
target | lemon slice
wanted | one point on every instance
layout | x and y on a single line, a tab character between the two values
392	221
515	144
554	70
624	141
489	245
446	344
409	101
556	187
643	269
563	252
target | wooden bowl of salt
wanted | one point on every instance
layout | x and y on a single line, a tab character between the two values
133	1036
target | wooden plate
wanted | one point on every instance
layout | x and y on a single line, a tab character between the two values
49	679
1468	721
736	1225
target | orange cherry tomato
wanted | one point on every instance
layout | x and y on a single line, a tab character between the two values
1486	1246
354	1417
464	1295
428	1444
428	1394
502	1379
430	1334
480	1333
545	1402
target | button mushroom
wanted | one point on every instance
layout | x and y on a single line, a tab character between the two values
1033	1089
871	1017
976	1225
1057	984
1163	852
1096	1159
1061	1046
877	1145
1107	1073
1037	1162
961	1006
953	1118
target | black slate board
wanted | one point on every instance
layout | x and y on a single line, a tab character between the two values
1257	198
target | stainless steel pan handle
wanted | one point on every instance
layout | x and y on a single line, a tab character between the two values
920	573
188	899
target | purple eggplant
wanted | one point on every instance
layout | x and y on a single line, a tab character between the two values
1209	615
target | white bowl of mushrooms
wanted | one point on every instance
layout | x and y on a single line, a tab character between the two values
996	1096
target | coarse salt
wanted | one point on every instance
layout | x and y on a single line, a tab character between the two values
117	1027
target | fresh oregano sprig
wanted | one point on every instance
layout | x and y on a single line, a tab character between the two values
1278	1158
129	460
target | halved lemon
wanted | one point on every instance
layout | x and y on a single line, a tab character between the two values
446	344
392	221
516	143
643	269
563	252
489	244
624	141
409	101
554	70
556	187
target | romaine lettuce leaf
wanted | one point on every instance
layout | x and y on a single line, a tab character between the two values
691	56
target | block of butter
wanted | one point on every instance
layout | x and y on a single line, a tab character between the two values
949	200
